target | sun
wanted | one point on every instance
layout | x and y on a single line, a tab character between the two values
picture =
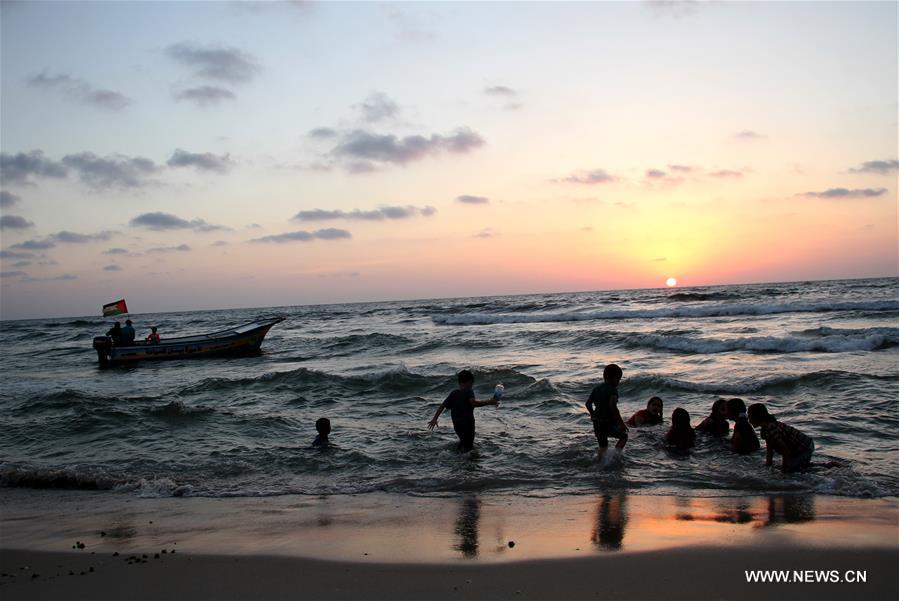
672	282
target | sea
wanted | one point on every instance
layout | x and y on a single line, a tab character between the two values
823	356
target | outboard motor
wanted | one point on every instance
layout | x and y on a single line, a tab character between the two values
102	344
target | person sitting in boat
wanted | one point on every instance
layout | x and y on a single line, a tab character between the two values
128	333
153	336
115	332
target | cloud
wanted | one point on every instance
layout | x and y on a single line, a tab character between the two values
846	193
594	176
116	251
205	161
159	221
219	243
377	107
878	167
20	168
81	91
217	63
726	173
58	278
11	254
486	233
21	264
379	214
504	91
366	146
12	274
302	236
747	134
681	168
660	259
468	199
323	132
35	245
112	268
114	171
14	222
8	199
656	174
203	96
68	237
339	274
165	249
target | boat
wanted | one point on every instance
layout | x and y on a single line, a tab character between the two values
243	340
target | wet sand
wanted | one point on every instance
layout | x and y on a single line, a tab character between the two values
612	546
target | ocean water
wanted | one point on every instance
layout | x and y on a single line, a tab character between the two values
824	356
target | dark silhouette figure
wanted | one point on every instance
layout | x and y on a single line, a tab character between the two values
794	447
128	333
744	440
681	436
650	416
115	332
467	526
153	336
611	520
603	409
323	427
461	403
716	423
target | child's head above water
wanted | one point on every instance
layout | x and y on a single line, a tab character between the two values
654	406
465	379
758	415
719	409
680	418
735	407
323	426
612	374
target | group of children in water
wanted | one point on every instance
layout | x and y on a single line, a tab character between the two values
794	447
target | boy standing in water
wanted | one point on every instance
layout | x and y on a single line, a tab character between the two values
461	403
603	409
795	447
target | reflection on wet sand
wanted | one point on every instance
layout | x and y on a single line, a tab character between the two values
467	527
759	512
790	509
610	522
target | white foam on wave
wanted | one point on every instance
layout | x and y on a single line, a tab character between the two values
725	310
860	340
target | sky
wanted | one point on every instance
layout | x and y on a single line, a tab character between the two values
224	154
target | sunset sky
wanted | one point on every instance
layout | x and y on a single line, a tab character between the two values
213	155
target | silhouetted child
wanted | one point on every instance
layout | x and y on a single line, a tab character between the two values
603	409
681	435
323	427
716	423
795	447
461	403
744	440
650	416
153	336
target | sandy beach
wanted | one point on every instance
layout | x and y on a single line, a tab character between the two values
476	547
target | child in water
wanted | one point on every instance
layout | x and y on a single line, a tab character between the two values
795	447
681	435
744	440
461	403
716	423
603	409
650	416
323	427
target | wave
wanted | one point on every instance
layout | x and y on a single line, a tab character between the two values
844	341
815	380
726	310
27	477
703	296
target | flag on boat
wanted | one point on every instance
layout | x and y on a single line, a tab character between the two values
116	308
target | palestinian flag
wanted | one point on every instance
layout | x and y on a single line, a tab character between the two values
116	308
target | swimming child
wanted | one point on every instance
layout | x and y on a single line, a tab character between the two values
153	336
716	423
603	409
461	403
650	416
323	427
795	447
744	440
681	435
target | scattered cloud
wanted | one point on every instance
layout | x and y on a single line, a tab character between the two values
21	167
112	268
378	107
14	222
205	161
365	146
21	264
81	91
302	236
160	221
656	174
215	62
469	199
506	93
682	168
11	254
323	132
204	96
594	176
116	251
12	274
379	214
68	237
726	173
846	193
8	199
114	171
748	134
166	249
486	233
878	167
34	245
